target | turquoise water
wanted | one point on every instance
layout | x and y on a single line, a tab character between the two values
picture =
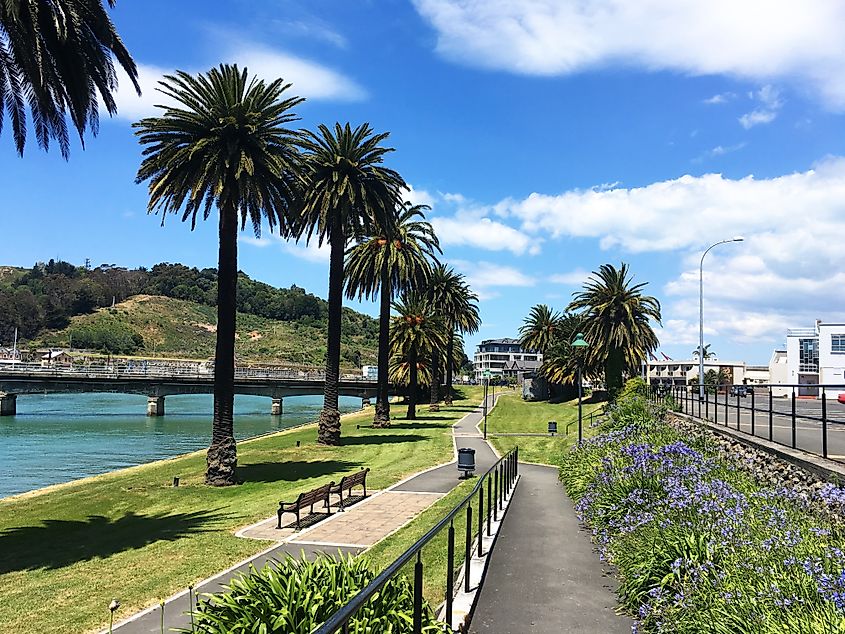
61	437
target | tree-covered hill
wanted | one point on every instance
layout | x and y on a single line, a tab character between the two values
169	310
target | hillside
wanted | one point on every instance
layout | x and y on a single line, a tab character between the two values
167	327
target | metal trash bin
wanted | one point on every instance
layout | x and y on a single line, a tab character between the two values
466	461
552	427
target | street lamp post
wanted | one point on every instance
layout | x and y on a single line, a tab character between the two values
486	379
701	314
579	343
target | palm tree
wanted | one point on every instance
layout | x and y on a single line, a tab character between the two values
415	332
707	353
394	258
57	57
561	360
452	299
348	193
540	329
617	318
225	144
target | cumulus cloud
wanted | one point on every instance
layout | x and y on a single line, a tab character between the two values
720	98
471	228
310	79
483	277
759	40
770	103
571	278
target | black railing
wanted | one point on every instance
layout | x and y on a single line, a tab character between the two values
793	415
502	476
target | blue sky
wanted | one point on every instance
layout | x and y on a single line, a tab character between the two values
549	137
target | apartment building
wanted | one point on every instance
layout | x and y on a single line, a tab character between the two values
498	356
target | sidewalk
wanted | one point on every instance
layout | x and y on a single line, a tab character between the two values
544	576
352	531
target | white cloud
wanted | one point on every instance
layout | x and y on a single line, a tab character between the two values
723	97
761	40
310	79
769	98
484	276
473	228
719	150
310	252
571	278
419	197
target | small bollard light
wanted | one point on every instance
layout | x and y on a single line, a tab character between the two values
357	426
175	481
552	427
297	443
113	607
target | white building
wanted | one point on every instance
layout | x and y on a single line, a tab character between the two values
813	356
370	372
672	372
498	355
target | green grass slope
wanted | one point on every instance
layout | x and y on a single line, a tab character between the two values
178	328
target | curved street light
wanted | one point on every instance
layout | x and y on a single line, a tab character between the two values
701	313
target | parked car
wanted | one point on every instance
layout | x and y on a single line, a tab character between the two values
841	398
739	390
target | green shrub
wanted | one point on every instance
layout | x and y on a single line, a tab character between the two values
294	596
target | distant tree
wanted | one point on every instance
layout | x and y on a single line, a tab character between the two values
540	329
57	58
707	353
225	144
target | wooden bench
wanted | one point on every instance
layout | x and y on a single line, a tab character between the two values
308	499
347	483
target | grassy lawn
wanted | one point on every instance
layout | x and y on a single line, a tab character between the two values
66	552
512	415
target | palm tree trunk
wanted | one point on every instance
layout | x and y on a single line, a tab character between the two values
413	386
434	406
613	372
328	432
450	351
382	417
222	457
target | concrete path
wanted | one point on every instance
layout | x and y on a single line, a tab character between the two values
352	531
544	576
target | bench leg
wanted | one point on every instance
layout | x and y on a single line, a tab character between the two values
297	519
279	514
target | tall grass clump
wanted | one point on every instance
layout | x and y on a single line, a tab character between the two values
295	596
700	546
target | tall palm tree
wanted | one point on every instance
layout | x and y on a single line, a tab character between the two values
56	57
452	299
224	144
540	329
561	361
394	258
348	192
617	315
415	331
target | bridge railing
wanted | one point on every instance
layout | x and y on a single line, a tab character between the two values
141	369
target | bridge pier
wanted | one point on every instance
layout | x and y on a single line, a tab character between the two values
277	407
8	404
155	406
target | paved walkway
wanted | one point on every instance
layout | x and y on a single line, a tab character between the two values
351	531
544	576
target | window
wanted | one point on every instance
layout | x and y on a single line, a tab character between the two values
808	355
837	344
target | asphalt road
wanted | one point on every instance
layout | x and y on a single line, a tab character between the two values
808	421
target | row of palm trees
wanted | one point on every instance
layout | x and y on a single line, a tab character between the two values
226	142
615	318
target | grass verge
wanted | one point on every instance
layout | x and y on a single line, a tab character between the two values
512	415
67	552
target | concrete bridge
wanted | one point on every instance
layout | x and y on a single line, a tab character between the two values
156	385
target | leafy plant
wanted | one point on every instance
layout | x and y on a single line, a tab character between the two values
295	596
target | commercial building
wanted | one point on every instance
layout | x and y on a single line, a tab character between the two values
499	355
813	356
672	372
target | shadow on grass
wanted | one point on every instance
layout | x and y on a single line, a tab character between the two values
376	439
293	470
403	424
59	543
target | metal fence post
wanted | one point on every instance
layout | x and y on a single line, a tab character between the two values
793	417
727	416
468	550
495	477
706	404
450	572
737	411
824	424
716	405
480	520
489	510
771	415
752	413
418	593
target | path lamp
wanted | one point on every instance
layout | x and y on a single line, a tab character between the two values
701	314
579	343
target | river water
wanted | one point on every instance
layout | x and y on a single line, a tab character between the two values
61	437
